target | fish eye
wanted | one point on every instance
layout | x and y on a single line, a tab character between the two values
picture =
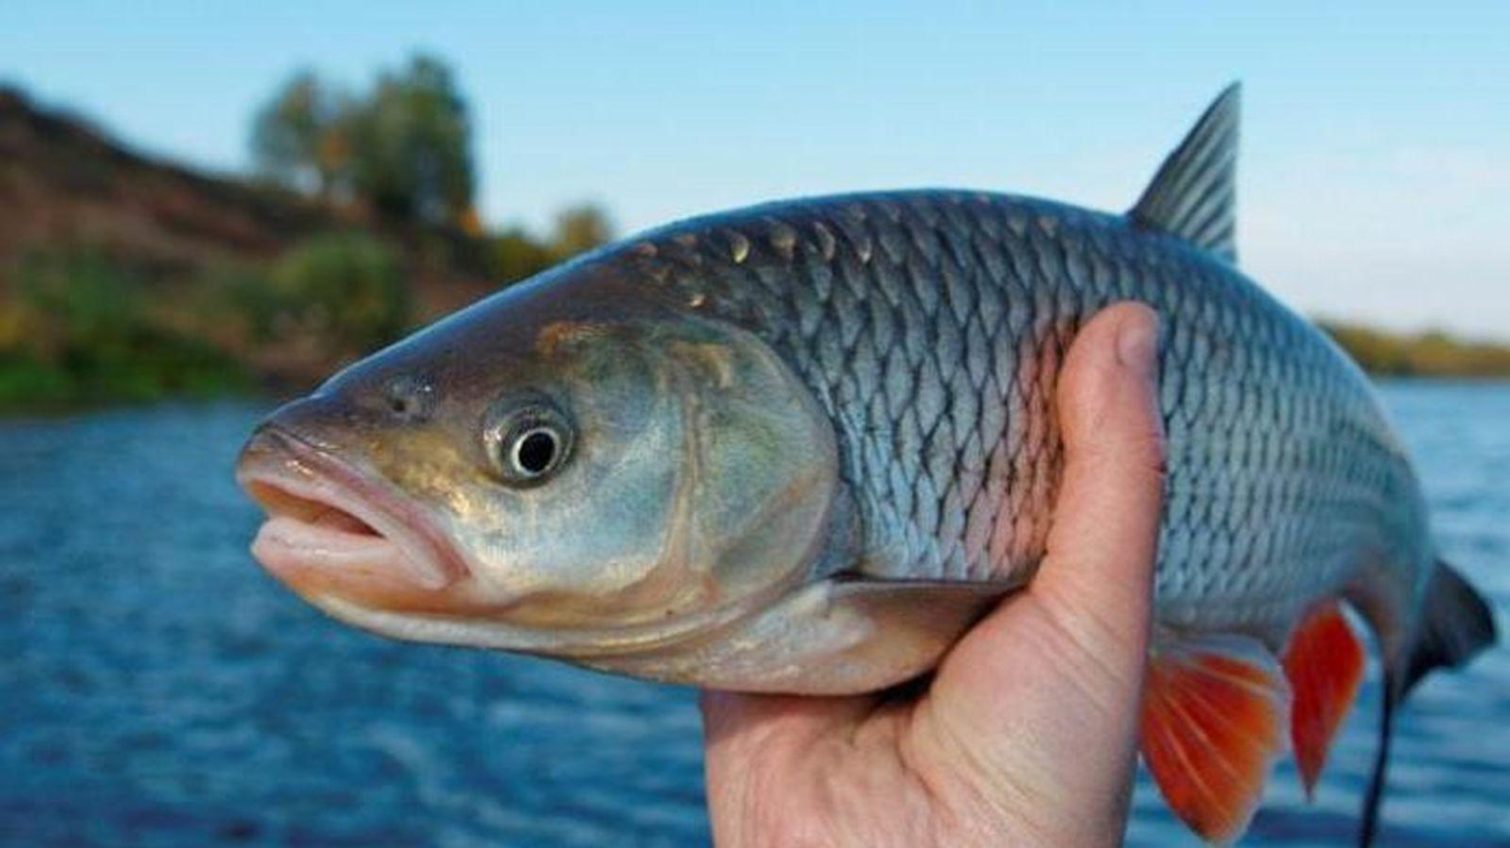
527	443
535	452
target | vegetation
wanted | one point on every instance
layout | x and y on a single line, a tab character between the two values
203	286
403	149
515	254
1431	354
346	289
78	330
300	138
78	326
211	286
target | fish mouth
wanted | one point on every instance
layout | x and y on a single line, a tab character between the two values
333	531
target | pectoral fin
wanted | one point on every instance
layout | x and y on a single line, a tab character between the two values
1215	715
839	636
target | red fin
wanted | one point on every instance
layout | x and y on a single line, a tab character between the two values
1214	719
1324	662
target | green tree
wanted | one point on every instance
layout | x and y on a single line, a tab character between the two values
580	229
411	146
300	136
514	254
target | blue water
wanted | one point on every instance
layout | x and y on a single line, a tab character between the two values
157	690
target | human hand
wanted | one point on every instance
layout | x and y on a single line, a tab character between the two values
1027	733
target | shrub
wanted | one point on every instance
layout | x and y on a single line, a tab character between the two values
82	335
345	287
76	302
514	255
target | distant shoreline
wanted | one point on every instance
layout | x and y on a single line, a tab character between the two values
1430	357
1435	354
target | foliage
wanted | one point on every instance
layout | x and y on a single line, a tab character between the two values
301	137
580	229
403	148
347	289
78	332
77	327
1431	354
515	254
411	146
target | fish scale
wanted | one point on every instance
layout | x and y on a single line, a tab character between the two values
931	327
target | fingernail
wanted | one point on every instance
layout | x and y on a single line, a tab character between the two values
1137	345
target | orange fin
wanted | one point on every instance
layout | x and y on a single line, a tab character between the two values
1215	710
1324	663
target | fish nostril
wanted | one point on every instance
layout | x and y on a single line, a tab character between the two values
409	398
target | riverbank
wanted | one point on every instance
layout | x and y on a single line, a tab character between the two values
131	279
1428	354
118	355
125	278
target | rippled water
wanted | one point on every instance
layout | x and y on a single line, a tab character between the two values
156	689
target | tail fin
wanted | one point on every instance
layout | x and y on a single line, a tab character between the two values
1456	623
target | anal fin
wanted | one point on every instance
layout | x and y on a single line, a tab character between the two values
1324	663
1215	714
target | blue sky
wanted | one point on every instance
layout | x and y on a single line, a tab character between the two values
1375	180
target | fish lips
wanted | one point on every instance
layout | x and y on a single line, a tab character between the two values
333	530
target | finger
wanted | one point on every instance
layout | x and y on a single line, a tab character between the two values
1097	576
1094	588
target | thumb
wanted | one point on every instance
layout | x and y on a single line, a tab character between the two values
1044	691
1093	593
1097	577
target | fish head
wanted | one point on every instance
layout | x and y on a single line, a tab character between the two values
568	468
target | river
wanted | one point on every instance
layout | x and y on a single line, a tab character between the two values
156	689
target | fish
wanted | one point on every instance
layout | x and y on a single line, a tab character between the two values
803	446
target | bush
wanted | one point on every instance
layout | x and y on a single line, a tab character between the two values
81	335
514	255
345	287
76	301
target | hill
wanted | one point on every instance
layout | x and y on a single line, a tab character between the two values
109	258
65	184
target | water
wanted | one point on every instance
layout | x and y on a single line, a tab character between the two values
157	690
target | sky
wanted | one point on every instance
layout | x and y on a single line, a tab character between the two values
1375	174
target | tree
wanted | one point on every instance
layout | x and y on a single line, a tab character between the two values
299	136
515	253
403	148
579	229
411	146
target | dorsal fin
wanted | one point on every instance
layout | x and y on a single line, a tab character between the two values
1193	195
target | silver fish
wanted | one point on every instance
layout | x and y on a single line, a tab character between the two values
801	447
